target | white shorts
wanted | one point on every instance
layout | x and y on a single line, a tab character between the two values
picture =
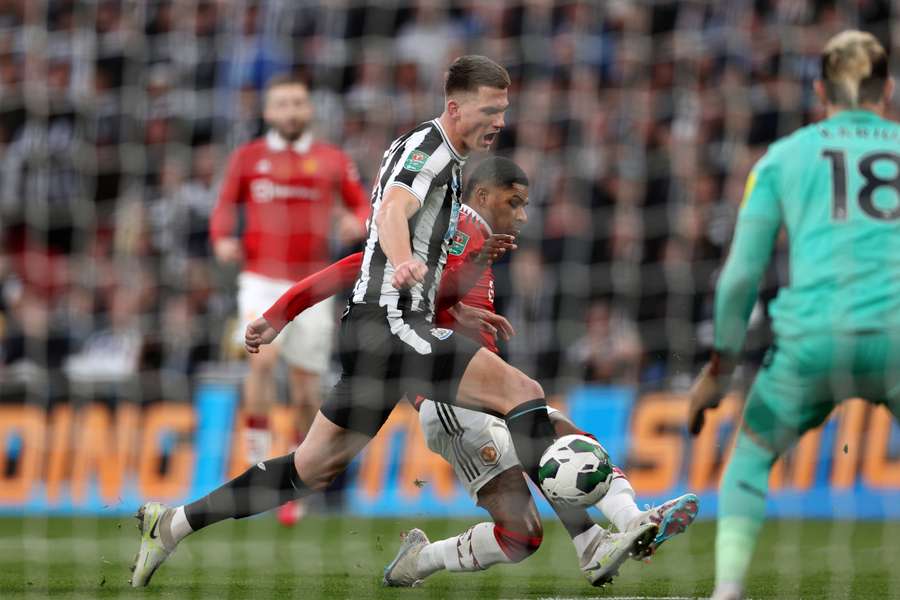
478	445
306	341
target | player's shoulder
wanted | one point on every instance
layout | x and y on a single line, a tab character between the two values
326	148
789	148
254	147
472	223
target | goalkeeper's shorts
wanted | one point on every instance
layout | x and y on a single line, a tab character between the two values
803	379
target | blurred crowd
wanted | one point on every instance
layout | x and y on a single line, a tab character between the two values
636	121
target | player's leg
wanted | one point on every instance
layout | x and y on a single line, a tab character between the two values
351	415
306	349
618	505
791	395
259	393
490	384
325	453
480	449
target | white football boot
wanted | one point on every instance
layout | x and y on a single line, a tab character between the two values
152	552
673	517
728	591
402	571
604	555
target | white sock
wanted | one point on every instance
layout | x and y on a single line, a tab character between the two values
257	444
583	539
179	528
431	558
618	504
475	549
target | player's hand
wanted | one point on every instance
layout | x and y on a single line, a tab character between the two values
470	318
228	250
494	248
348	228
409	273
258	333
707	391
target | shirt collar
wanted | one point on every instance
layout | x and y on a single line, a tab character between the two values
454	151
467	208
277	143
854	114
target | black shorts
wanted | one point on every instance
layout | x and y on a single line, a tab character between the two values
386	355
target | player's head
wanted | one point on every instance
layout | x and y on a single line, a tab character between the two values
498	190
475	97
287	107
854	72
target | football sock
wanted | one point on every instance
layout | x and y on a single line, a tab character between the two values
576	520
742	508
260	488
257	438
618	504
532	432
584	539
476	549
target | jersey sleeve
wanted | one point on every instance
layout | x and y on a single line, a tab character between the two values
352	191
313	289
758	223
421	167
223	221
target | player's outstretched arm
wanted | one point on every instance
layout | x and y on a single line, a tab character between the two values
303	294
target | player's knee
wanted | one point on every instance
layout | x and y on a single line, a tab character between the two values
527	388
519	544
317	472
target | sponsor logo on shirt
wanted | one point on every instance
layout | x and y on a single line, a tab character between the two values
266	190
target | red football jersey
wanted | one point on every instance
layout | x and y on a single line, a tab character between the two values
288	194
471	232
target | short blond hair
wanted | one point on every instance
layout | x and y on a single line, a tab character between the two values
854	69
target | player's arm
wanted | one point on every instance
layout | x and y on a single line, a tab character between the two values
223	220
302	295
352	193
392	219
756	232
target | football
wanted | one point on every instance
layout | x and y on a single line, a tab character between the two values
575	470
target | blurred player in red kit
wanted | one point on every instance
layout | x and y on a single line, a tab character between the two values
288	185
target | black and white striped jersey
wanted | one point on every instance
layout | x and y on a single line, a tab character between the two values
425	163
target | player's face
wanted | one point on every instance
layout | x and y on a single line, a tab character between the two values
481	117
288	110
505	208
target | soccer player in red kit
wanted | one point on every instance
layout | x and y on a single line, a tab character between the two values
477	445
288	185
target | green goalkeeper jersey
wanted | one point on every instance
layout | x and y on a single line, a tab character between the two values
835	188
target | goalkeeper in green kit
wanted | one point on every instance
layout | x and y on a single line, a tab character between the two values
834	186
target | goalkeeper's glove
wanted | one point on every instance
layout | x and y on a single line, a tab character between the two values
708	389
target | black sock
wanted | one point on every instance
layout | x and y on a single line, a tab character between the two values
262	487
576	520
532	432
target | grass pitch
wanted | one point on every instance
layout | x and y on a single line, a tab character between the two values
337	557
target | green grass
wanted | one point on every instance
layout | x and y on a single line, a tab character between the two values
334	557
